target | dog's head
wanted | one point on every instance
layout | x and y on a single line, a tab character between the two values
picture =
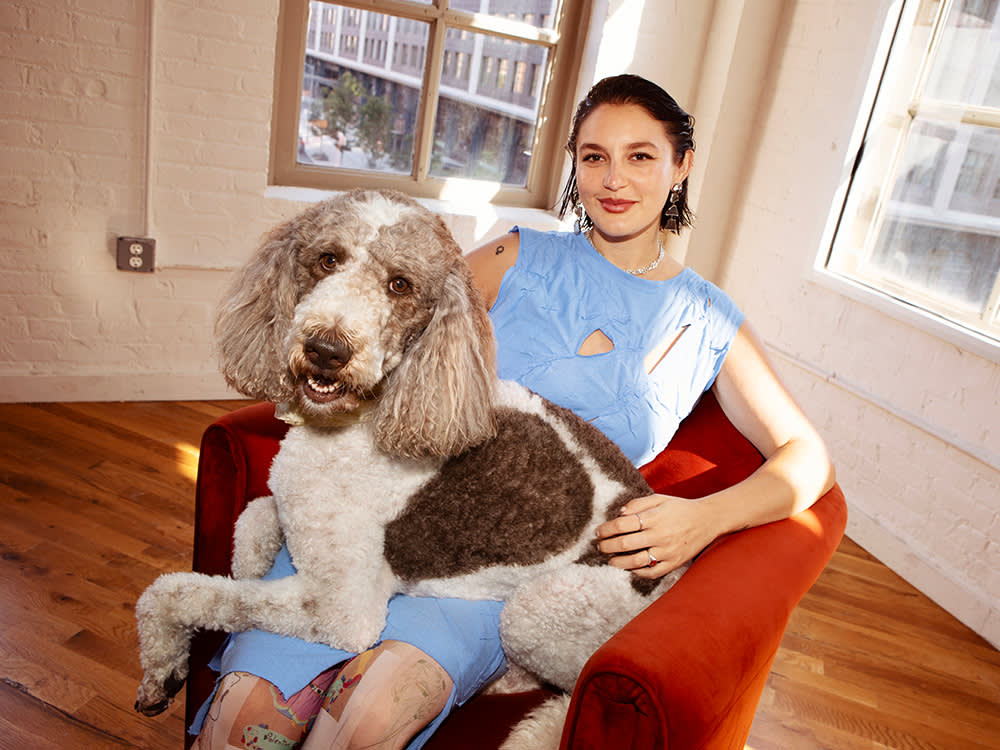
364	305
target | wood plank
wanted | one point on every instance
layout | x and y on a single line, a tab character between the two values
28	722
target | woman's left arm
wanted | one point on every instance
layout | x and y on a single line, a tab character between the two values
796	472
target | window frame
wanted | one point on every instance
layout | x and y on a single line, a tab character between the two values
565	45
976	332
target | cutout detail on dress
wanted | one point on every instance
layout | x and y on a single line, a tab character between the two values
661	350
596	343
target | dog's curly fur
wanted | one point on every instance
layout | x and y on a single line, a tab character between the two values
409	466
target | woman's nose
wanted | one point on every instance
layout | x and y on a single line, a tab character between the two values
613	178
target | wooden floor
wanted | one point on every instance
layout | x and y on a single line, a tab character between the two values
97	499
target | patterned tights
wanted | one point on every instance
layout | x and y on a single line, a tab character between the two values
380	699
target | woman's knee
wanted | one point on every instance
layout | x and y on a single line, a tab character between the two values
249	711
383	698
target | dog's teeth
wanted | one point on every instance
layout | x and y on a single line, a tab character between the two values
323	387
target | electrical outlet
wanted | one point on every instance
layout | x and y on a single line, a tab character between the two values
136	253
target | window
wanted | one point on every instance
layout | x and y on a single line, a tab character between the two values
921	218
460	97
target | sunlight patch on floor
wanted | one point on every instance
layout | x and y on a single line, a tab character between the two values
187	459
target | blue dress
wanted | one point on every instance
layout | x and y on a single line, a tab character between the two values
560	291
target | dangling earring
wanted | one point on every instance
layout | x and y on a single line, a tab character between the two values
672	213
578	212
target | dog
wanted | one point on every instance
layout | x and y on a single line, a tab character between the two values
409	467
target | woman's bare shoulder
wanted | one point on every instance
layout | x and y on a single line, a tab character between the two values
490	261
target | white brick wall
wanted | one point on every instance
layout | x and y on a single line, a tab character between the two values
910	419
72	122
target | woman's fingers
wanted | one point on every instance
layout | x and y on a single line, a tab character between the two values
631	518
616	527
644	563
654	535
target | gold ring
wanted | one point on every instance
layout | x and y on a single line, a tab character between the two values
639	518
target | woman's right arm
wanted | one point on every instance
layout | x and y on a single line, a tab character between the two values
490	262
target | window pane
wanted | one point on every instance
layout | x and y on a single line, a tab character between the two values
488	108
361	89
538	13
967	66
946	191
951	265
923	161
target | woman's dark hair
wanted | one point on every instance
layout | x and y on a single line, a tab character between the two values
679	125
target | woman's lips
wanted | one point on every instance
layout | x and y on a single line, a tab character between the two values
616	206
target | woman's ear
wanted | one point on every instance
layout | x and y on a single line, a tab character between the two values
439	401
254	316
684	168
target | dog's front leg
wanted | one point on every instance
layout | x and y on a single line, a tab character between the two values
176	604
167	613
352	582
350	609
256	538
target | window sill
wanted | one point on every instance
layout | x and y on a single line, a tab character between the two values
472	219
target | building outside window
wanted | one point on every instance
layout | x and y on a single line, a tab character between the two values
429	92
921	220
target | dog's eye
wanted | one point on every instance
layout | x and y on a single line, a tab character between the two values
399	285
328	262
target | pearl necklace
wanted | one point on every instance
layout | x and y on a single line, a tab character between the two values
636	271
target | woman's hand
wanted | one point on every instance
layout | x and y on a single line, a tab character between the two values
653	535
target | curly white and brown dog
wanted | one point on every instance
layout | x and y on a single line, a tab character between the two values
409	466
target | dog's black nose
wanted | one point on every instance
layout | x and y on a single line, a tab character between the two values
329	355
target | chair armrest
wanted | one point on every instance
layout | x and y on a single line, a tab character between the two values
688	672
233	468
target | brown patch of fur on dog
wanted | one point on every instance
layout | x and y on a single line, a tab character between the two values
613	463
608	456
504	502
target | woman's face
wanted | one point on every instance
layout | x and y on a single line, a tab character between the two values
625	167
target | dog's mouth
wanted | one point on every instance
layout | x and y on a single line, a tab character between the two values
329	393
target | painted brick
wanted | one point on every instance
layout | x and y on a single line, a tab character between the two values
18	191
50	22
125	10
13	17
103	32
109	60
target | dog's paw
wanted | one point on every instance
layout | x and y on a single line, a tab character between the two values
516	679
257	538
355	627
154	698
356	641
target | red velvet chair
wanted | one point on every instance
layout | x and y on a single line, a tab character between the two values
687	673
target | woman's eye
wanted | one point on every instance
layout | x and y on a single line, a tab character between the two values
399	285
328	262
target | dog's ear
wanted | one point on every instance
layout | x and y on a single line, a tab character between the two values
254	316
439	401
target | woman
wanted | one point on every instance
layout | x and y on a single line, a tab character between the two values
602	321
